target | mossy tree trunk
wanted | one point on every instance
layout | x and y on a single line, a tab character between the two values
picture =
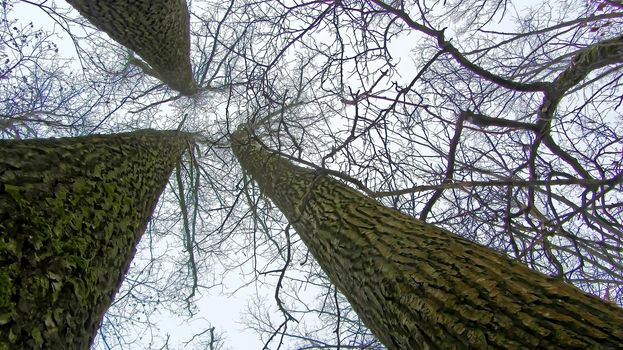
71	213
158	31
417	286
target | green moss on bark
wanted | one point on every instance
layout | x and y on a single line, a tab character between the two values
71	213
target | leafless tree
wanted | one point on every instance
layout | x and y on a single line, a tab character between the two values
497	120
509	138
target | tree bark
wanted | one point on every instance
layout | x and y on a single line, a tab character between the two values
158	31
71	213
417	286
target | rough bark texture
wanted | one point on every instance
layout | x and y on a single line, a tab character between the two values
156	30
417	286
71	213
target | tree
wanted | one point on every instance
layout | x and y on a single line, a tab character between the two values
419	286
418	139
442	110
71	213
157	30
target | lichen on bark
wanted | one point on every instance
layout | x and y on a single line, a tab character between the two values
71	213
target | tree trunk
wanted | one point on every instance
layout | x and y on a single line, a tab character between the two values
417	286
71	213
158	31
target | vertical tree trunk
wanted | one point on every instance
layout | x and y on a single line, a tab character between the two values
71	213
156	30
417	286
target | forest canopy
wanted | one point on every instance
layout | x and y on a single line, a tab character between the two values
497	120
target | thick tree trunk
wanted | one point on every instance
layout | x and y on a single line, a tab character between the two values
71	213
417	286
158	31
